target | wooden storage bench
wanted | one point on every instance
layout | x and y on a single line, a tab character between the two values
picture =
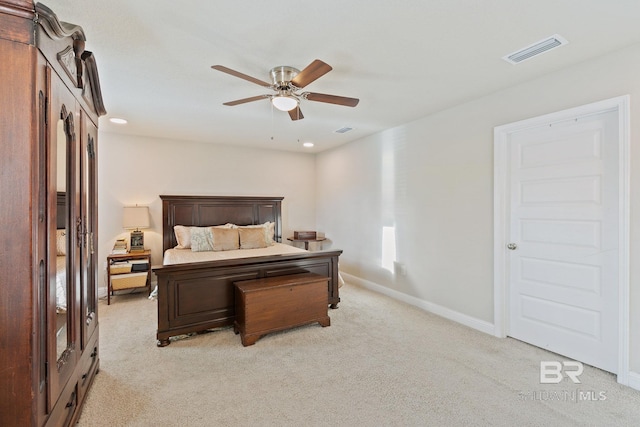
276	303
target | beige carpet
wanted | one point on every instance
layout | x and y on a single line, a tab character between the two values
381	362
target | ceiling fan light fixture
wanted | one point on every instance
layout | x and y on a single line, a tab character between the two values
284	103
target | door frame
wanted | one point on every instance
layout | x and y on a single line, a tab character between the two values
501	219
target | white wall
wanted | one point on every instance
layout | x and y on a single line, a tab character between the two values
136	170
433	180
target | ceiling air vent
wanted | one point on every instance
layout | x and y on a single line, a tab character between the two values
535	49
343	130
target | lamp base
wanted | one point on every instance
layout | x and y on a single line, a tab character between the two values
137	241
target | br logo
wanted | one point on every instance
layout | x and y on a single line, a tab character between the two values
552	372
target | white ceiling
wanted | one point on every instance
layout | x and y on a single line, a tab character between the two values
402	59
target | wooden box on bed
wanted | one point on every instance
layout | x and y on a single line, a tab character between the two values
198	296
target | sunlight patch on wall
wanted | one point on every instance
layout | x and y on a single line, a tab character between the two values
388	247
392	192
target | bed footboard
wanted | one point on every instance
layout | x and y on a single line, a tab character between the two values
199	296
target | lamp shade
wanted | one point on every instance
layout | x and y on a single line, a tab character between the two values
284	103
135	217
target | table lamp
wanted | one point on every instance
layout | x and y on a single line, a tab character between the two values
136	217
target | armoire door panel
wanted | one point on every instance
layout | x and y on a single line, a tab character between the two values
88	214
62	349
41	273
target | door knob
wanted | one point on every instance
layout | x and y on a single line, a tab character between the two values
512	246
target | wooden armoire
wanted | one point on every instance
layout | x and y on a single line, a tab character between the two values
50	102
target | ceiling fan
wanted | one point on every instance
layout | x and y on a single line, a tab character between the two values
286	82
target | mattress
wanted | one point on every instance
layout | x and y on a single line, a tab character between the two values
183	256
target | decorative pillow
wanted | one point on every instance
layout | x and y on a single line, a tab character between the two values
183	236
201	239
252	237
61	242
225	239
269	230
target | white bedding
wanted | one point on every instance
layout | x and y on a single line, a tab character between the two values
61	284
182	256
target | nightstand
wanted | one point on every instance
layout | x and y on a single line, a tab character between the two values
128	271
306	241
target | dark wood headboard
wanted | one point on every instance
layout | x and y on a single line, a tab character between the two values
202	211
61	210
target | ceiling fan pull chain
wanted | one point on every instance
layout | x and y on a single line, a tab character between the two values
272	125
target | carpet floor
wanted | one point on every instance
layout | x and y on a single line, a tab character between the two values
380	363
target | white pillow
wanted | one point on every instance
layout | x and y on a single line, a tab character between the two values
183	236
271	232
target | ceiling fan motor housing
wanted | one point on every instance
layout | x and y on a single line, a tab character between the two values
281	76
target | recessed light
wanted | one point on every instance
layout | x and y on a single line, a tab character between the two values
308	144
118	121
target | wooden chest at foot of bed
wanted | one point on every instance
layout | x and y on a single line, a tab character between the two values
276	303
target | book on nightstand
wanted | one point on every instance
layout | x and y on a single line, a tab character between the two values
120	247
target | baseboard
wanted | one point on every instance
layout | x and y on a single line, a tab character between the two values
102	292
447	313
634	380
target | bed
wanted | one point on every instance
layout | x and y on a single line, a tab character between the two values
196	296
61	251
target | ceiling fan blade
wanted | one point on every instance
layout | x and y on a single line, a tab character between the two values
245	100
312	72
240	75
296	114
331	99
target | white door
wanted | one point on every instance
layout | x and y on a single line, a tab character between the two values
563	278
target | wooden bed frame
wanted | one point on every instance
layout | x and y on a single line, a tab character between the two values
198	296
